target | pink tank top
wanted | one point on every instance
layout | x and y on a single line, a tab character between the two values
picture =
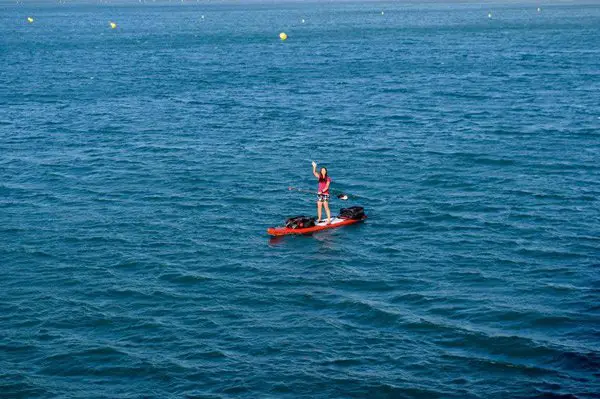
322	185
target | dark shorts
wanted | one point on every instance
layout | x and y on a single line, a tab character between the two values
322	197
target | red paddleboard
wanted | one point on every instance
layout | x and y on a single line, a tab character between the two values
335	222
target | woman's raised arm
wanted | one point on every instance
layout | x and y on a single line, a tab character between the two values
314	165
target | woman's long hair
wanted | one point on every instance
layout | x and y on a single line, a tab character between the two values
321	177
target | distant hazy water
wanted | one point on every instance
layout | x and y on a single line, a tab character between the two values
140	168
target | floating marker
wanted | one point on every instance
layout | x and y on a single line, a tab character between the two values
283	36
30	20
202	17
489	15
382	13
539	9
113	25
303	21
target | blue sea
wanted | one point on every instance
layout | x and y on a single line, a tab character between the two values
141	166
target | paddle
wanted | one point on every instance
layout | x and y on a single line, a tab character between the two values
340	195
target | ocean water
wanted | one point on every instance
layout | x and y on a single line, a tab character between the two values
141	166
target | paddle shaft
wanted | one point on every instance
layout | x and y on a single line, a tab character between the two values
340	194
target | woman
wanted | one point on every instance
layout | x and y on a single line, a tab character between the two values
323	193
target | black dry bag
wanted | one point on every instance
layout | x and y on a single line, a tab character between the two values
299	222
354	212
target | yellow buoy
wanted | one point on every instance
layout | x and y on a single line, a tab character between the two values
30	20
112	25
282	36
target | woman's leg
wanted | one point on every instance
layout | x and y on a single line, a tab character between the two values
326	204
319	206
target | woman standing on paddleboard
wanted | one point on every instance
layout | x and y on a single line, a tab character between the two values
323	193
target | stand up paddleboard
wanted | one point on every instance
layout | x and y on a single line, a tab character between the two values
335	223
